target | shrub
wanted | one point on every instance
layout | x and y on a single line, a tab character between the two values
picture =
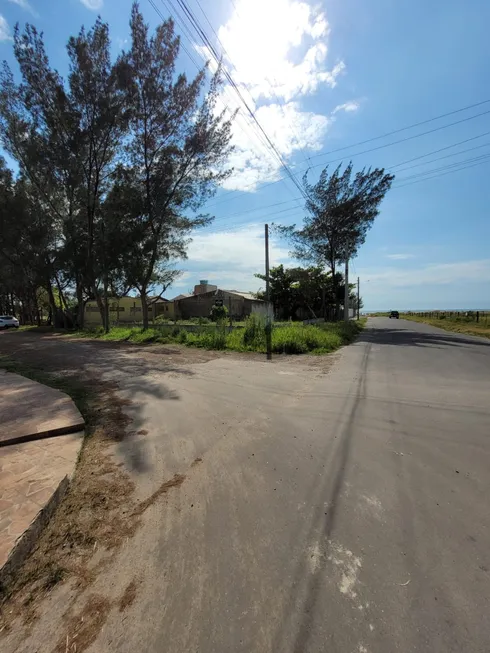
204	320
254	332
299	339
215	339
182	337
218	313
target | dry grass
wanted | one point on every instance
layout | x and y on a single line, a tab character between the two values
470	328
93	513
128	596
83	628
142	506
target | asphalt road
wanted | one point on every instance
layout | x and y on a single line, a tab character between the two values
339	511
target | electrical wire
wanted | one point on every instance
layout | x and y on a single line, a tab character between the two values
397	142
168	4
473	165
195	23
426	175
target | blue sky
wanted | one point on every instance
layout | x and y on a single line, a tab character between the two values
324	76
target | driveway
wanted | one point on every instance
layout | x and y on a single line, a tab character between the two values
334	504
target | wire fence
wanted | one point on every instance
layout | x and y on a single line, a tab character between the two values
477	317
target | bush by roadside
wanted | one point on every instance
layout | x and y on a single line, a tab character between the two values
292	338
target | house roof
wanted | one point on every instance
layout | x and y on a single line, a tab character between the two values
245	295
181	296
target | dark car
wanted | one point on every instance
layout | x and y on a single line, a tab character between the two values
395	314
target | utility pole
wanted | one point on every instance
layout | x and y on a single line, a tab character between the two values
346	292
268	326
358	298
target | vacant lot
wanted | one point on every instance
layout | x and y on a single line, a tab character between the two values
287	338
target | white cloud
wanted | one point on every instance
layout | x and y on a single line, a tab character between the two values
4	30
262	42
289	128
93	5
231	259
347	106
275	51
24	4
457	273
400	257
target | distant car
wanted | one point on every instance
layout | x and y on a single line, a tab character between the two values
8	322
395	314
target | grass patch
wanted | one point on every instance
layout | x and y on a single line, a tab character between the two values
456	325
287	338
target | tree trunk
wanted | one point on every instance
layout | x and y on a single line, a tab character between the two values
106	304
81	306
101	307
52	303
144	310
335	293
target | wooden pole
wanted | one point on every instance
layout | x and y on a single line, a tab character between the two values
268	326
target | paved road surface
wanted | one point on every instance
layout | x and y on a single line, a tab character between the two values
346	512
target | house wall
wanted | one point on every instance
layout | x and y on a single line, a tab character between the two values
126	310
200	305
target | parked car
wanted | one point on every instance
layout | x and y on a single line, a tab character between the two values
8	322
395	314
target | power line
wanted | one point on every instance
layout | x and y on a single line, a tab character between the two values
402	129
446	156
449	166
442	149
473	165
426	175
163	19
195	23
397	142
170	7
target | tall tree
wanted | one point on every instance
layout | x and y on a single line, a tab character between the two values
299	292
66	137
342	207
177	150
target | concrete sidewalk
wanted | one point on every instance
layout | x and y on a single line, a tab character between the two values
33	474
31	410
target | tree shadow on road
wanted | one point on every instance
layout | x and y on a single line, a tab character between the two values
134	374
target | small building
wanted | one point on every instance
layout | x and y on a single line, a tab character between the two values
239	304
127	310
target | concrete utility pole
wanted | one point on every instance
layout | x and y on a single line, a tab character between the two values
358	298
268	326
346	293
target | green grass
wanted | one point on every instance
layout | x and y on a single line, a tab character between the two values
287	338
457	325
